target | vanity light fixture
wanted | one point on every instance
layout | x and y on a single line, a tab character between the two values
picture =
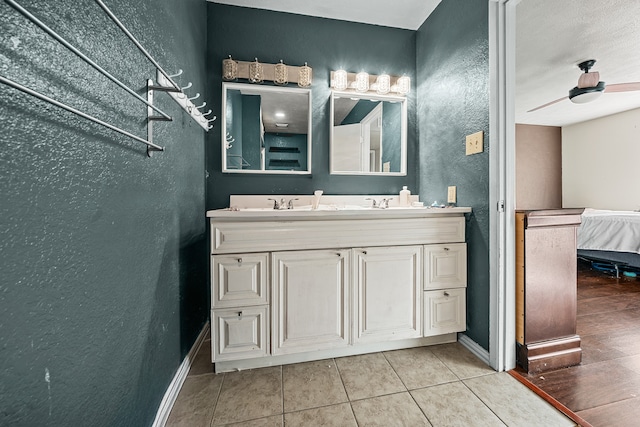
255	72
229	69
304	76
281	74
339	81
383	84
403	85
363	82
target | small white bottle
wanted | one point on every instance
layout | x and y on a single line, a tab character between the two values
405	196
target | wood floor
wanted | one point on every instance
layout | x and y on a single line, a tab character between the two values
604	390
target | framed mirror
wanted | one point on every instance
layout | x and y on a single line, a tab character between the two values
368	134
266	129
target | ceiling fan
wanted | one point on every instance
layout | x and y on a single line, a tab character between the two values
590	87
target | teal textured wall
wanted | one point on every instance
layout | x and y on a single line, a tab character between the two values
326	45
453	92
103	252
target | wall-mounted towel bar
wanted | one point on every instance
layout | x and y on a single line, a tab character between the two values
150	145
165	83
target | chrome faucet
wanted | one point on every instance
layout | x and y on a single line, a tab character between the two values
282	204
278	205
290	203
382	204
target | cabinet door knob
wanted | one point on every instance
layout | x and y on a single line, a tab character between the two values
239	314
446	294
339	254
239	260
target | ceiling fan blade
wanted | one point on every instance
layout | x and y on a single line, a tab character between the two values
548	103
623	87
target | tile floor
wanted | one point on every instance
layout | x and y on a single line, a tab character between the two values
443	385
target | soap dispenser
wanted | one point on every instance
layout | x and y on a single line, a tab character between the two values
405	196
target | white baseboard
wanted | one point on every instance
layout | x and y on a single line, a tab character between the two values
173	390
474	348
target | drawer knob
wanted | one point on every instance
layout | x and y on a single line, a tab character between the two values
364	252
446	249
239	314
446	294
239	260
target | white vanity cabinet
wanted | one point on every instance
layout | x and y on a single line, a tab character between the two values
239	306
292	286
388	286
445	280
310	303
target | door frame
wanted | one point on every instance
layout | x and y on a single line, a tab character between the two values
502	48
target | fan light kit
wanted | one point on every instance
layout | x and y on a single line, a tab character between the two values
590	87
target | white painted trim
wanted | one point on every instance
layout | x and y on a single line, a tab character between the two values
502	183
175	386
474	348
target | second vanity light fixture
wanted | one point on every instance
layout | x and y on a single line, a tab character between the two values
363	82
257	72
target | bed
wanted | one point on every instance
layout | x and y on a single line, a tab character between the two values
611	237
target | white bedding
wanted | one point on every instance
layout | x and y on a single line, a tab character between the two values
603	230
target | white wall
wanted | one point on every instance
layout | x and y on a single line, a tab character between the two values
601	163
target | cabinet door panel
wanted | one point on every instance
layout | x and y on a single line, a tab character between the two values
240	333
239	280
388	290
445	266
310	300
444	311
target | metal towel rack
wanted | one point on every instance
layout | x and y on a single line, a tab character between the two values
165	84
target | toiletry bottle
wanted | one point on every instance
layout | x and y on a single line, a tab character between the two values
405	196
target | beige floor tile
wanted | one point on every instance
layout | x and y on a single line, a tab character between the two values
419	367
368	375
202	362
514	403
391	410
195	403
312	384
461	361
248	395
454	405
275	421
327	416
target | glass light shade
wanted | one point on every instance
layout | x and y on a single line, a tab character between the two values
585	97
281	74
256	72
362	82
229	69
340	81
403	85
305	76
383	84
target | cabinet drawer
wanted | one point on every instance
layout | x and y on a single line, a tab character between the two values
444	311
239	280
240	333
445	266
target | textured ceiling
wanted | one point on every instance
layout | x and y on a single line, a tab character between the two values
408	14
553	36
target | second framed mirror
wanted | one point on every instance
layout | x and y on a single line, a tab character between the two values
368	134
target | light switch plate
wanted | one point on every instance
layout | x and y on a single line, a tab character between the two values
474	143
451	194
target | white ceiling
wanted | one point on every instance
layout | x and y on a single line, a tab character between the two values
408	14
553	36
